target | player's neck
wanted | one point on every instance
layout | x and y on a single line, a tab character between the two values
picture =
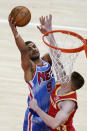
64	90
38	62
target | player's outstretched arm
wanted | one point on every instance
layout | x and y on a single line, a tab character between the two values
61	116
19	41
45	26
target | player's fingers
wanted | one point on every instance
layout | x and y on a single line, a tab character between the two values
50	17
47	18
9	18
15	24
44	20
40	19
39	28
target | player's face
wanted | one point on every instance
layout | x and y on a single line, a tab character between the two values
73	88
33	51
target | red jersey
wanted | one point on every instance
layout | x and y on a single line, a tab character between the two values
54	109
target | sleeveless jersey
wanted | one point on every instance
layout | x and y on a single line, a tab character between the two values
42	85
54	109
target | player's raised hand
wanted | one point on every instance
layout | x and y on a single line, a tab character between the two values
45	24
12	25
41	27
48	23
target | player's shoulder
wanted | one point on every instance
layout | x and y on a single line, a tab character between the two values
67	103
47	58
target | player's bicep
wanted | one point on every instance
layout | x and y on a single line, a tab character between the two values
66	108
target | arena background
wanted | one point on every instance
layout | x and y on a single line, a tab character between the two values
67	14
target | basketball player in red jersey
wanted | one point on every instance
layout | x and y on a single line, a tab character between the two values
63	100
63	105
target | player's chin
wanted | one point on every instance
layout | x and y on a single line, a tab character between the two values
35	57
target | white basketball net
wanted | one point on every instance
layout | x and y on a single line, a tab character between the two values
62	63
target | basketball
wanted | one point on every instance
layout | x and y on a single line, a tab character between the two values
21	15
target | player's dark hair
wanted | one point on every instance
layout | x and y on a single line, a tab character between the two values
28	42
77	80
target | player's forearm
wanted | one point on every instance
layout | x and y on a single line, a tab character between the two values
19	41
48	120
51	39
51	121
56	54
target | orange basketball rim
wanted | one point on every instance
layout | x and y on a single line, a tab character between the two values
74	50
